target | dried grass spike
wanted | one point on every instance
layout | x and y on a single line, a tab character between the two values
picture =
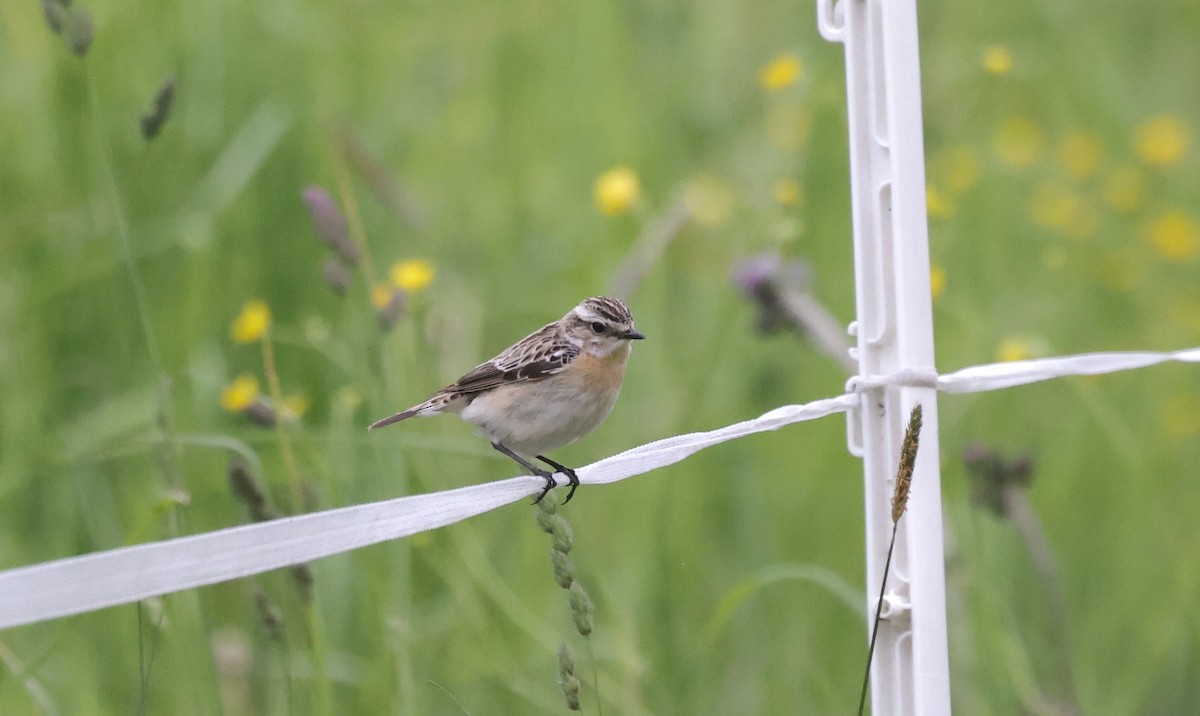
391	308
380	179
567	680
247	489
563	568
153	121
582	610
302	575
336	275
80	30
260	413
330	224
908	460
269	614
56	15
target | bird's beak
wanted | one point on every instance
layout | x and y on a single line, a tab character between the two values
633	336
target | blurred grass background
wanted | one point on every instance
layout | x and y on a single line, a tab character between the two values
1064	196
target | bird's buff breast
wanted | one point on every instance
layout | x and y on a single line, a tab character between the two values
539	416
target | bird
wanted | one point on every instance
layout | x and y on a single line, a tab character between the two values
548	389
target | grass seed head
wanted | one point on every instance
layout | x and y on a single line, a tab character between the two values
908	460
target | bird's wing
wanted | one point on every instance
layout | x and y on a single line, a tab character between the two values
534	357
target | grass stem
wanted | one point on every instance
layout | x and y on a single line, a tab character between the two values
285	441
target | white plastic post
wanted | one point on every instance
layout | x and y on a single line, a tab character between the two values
894	330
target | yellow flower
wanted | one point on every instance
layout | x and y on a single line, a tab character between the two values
784	70
381	296
1176	235
937	281
252	322
1125	188
240	394
937	204
1013	348
1018	142
788	192
412	275
1161	140
616	190
997	60
1080	153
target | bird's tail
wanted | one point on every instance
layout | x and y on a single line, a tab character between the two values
433	406
394	418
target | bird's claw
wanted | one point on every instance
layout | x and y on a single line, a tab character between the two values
551	483
572	480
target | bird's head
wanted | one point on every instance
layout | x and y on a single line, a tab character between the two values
600	325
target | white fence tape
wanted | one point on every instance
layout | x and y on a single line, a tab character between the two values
995	376
103	579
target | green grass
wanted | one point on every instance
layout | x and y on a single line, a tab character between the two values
720	582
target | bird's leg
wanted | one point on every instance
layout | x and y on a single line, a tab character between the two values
533	470
572	478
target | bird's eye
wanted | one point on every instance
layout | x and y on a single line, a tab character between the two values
597	327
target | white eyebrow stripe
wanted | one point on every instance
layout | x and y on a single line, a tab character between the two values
588	315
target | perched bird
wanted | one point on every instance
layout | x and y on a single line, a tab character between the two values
548	389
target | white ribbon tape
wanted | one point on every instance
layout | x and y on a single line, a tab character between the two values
103	579
995	376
